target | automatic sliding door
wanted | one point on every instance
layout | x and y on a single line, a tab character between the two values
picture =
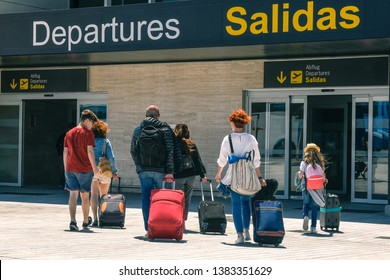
297	136
380	140
370	159
269	123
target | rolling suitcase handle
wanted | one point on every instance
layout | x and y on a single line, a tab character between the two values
211	189
173	181
118	188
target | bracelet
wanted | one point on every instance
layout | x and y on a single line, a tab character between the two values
260	178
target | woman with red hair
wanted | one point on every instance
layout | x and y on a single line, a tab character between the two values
100	185
243	143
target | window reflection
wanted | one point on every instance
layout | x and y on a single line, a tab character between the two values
268	126
99	110
361	150
296	150
380	160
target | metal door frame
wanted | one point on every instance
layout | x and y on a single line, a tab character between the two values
295	95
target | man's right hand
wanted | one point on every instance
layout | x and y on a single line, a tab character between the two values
169	178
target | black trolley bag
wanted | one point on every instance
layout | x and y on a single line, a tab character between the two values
330	214
112	209
212	217
267	216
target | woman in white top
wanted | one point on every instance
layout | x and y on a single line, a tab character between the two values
243	143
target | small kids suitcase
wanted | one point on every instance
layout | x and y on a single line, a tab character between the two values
268	225
112	209
211	214
330	213
166	215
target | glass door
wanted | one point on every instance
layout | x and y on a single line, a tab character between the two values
328	126
298	124
10	139
370	143
270	127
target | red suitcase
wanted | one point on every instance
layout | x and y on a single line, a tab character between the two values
166	215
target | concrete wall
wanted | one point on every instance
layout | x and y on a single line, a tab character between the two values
202	94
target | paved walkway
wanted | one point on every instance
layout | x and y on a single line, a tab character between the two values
34	226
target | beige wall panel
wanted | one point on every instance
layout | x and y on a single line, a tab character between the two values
202	94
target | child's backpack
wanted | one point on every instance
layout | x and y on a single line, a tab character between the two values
314	177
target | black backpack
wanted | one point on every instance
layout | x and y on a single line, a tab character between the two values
151	147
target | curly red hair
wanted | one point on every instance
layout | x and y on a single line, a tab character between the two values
240	118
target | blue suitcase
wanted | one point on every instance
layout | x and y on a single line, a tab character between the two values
268	225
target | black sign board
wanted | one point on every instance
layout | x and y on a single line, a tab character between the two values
192	24
55	80
370	71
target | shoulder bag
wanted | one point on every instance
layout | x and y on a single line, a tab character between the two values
104	164
244	177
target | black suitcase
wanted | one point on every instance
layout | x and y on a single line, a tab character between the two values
330	213
112	209
268	225
212	217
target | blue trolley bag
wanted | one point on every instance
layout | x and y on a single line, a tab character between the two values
268	225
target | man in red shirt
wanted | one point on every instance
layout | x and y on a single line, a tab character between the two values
80	166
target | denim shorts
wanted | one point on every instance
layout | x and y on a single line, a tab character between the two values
75	181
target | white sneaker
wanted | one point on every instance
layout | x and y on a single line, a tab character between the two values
305	225
313	230
240	240
247	236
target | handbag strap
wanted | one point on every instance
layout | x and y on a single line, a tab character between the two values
104	148
231	143
250	154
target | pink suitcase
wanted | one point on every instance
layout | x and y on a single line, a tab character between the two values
166	215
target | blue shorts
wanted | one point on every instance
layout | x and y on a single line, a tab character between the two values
75	181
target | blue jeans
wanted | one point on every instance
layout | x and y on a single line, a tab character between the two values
307	202
149	180
241	211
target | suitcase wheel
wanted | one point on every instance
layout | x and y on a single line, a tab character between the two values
223	228
276	245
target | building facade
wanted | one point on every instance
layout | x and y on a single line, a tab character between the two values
307	71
